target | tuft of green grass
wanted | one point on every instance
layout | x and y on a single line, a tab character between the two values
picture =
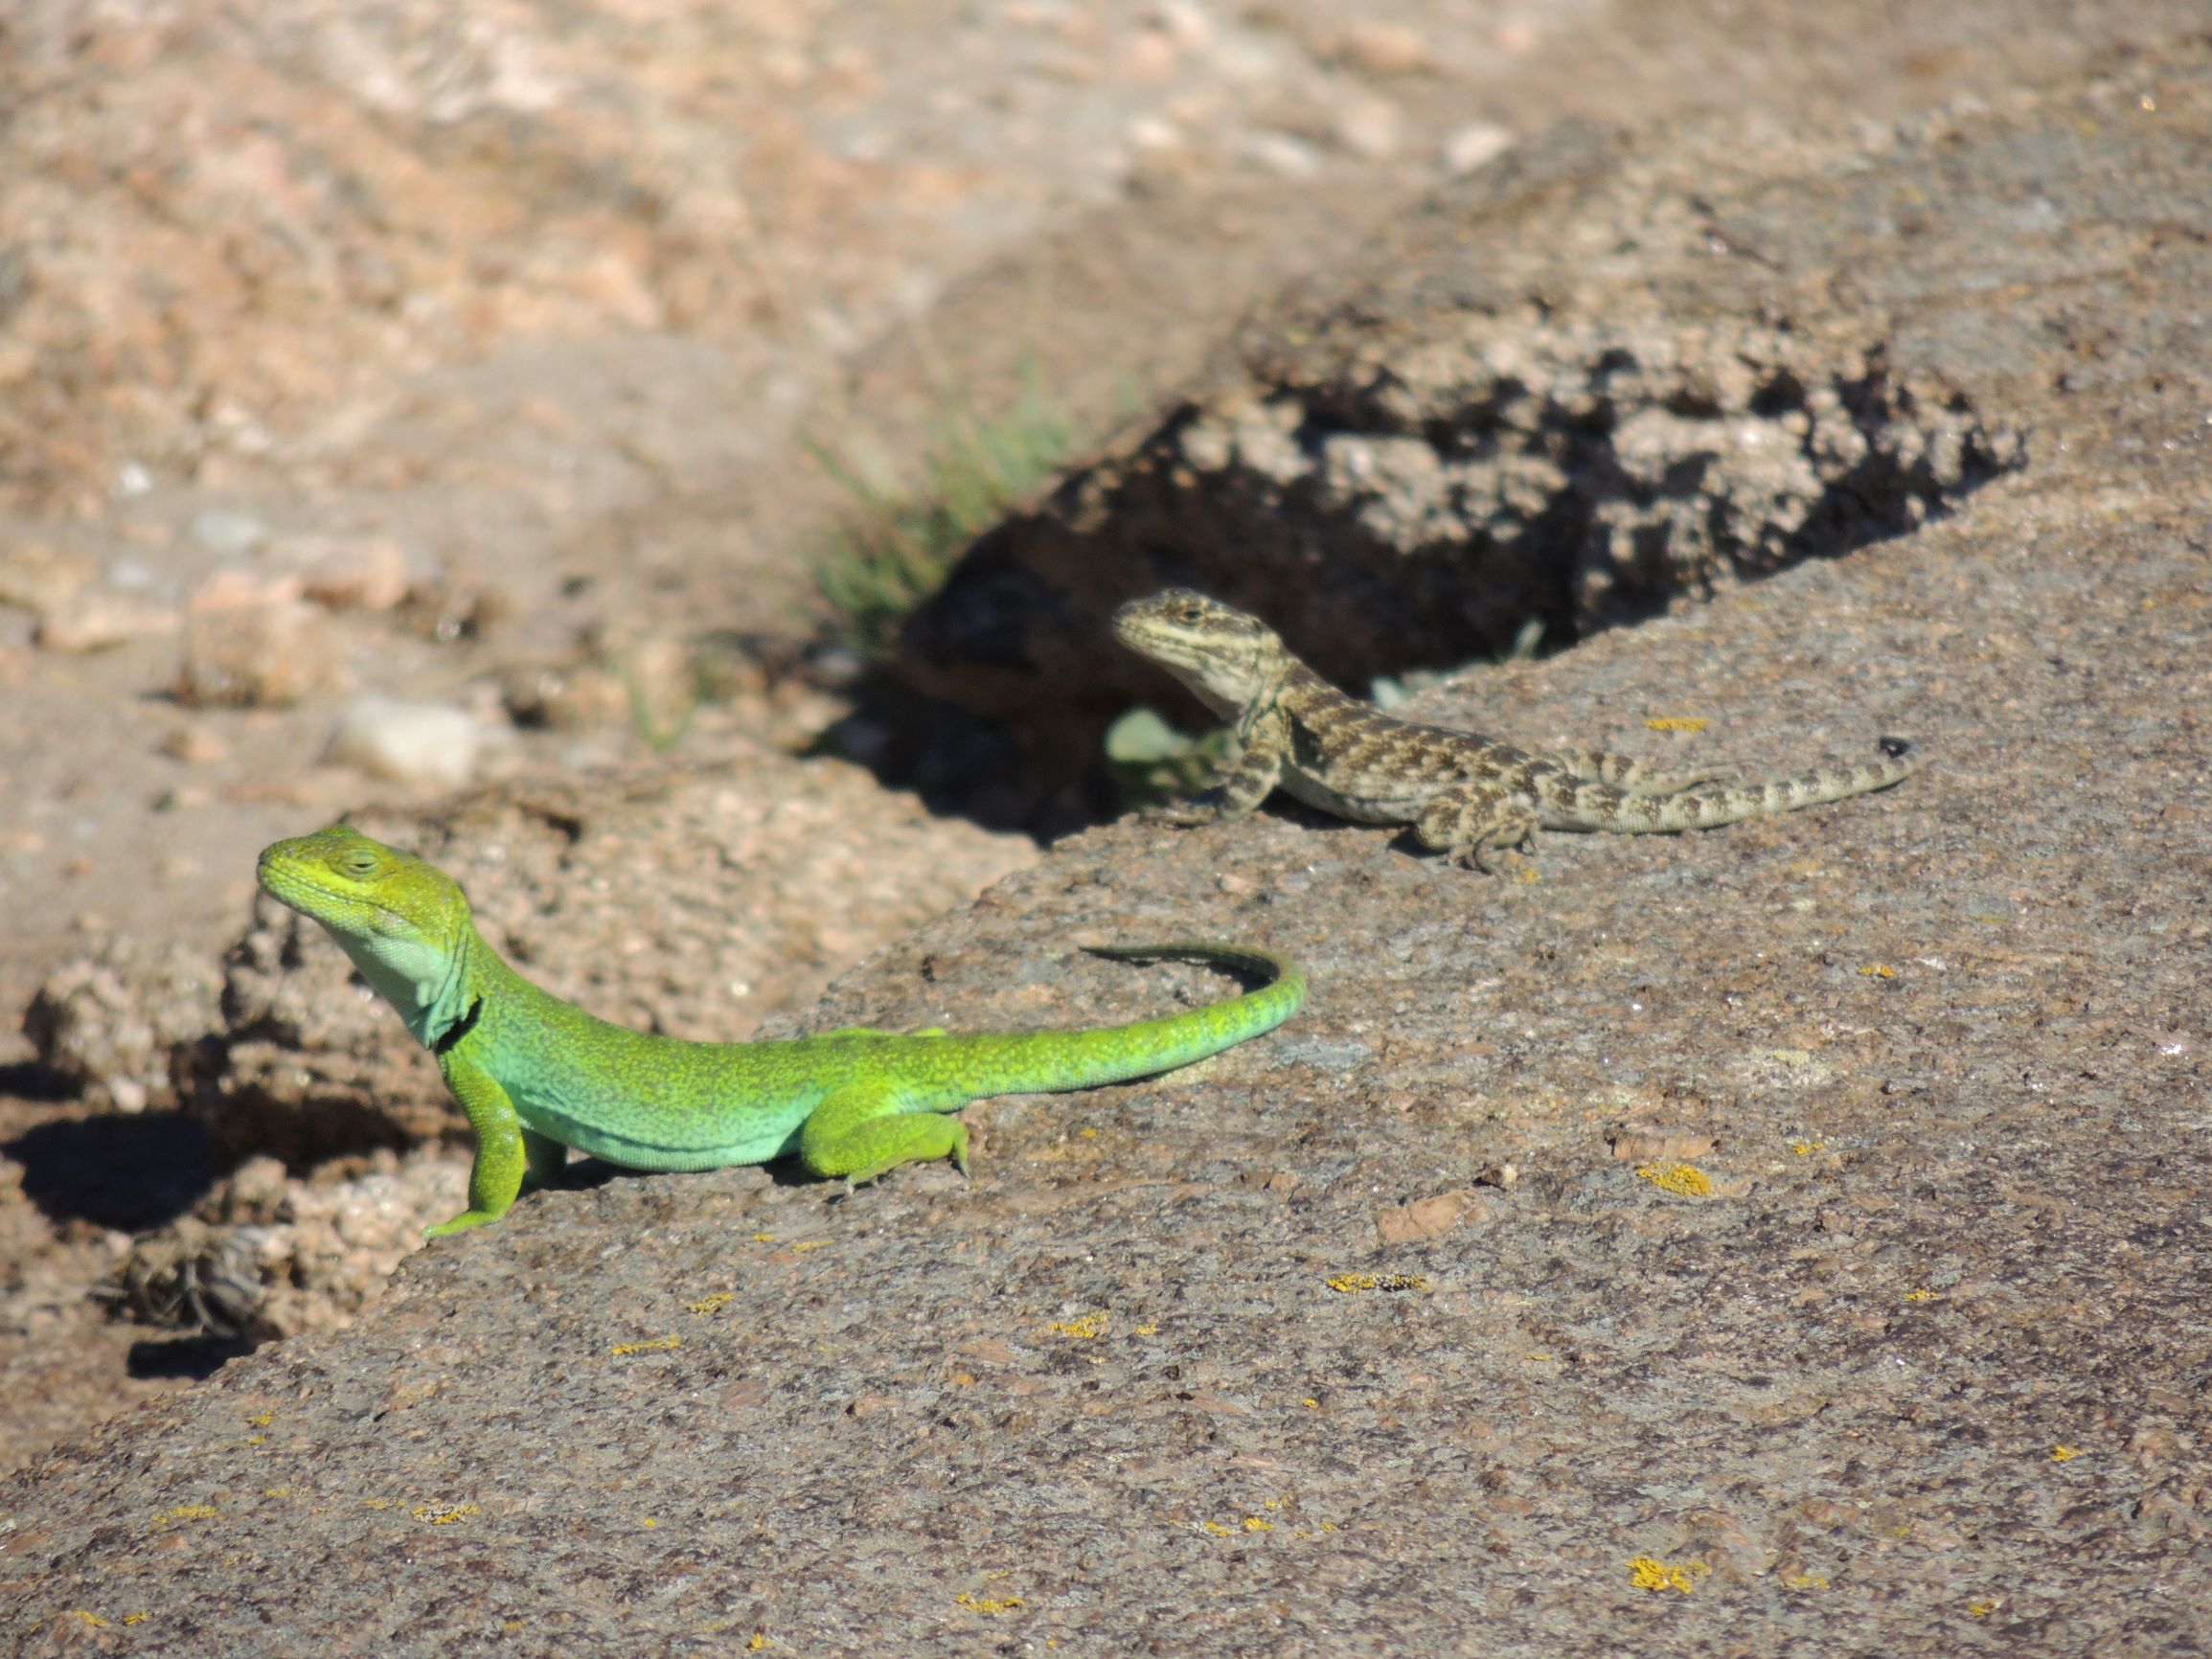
894	546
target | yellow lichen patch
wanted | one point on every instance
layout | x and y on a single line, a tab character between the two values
1354	1283
649	1523
256	1440
1313	1404
263	1420
1088	1134
1527	873
378	1502
659	1344
1147	1330
1878	970
714	1304
975	1604
1920	1296
186	1512
1254	1524
2060	1453
1648	1573
1980	1610
1216	1529
275	1491
1806	1580
89	1617
1805	1148
136	1618
763	1238
1678	723
760	1640
1686	1180
1090	1325
805	1244
437	1517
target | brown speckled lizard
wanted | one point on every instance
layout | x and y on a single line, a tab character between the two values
1462	792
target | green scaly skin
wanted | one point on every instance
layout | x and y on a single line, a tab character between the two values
538	1075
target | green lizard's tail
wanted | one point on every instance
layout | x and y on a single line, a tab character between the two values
1048	1061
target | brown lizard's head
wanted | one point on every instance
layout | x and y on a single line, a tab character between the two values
1227	657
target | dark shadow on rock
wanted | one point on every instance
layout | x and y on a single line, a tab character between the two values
185	1358
41	1084
130	1171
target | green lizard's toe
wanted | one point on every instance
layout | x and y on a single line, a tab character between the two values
461	1222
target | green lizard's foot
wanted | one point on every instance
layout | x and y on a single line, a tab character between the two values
461	1222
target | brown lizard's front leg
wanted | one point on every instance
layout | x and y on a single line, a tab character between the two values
1266	740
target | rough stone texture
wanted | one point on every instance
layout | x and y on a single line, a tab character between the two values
109	1024
265	1255
1248	1360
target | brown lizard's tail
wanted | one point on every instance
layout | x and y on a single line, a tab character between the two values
1601	806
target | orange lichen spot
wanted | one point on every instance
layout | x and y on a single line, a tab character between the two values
1649	1574
987	1604
714	1304
1877	971
1090	1325
1686	1180
437	1517
186	1512
2060	1453
1678	723
1354	1283
659	1344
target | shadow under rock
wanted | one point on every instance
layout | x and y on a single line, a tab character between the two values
129	1172
185	1358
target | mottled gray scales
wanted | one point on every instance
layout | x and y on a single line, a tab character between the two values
1464	794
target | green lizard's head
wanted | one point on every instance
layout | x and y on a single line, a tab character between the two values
399	918
1225	656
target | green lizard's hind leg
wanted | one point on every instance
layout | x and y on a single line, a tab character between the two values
865	1129
501	1158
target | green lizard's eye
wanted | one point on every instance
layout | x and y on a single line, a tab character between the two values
358	862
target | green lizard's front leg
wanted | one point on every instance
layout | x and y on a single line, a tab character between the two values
508	1155
866	1128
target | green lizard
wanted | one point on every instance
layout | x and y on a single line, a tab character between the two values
538	1075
